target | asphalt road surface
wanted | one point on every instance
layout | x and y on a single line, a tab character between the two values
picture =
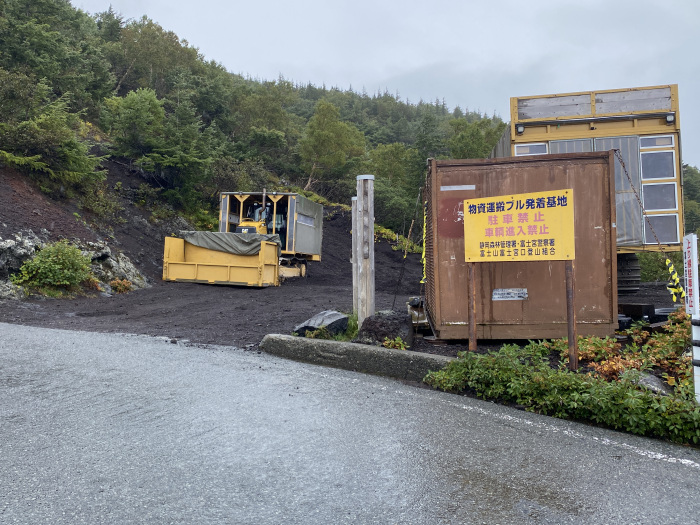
111	428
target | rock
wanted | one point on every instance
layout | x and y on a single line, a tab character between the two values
16	250
334	322
107	266
386	324
654	384
11	291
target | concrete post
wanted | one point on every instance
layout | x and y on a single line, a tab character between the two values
365	247
353	256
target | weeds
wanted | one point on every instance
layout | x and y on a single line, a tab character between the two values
121	285
397	343
400	243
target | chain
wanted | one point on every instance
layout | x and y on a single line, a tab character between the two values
674	286
639	200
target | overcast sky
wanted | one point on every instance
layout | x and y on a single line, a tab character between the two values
473	54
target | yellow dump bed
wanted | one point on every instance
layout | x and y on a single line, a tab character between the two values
184	261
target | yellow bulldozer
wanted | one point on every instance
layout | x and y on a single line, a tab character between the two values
263	238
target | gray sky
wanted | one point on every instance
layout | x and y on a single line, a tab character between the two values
473	54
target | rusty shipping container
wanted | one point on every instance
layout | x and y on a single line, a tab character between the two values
521	299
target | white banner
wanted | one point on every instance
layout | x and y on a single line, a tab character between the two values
690	269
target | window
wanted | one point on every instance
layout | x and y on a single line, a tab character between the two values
571	146
661	141
530	149
665	227
659	197
658	165
306	220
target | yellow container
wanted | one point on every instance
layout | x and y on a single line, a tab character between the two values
185	262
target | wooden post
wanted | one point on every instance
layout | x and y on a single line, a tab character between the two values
571	315
365	247
353	255
471	297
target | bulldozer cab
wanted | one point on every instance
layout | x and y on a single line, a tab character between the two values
297	220
257	213
249	217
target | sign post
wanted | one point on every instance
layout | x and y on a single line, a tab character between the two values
524	227
571	315
364	247
692	306
471	295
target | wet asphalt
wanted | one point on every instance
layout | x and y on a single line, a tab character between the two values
111	428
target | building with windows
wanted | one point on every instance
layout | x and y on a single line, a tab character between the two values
643	124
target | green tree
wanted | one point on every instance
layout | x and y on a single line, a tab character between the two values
691	198
135	122
398	170
430	139
691	212
467	140
149	56
473	137
328	144
41	134
53	41
691	183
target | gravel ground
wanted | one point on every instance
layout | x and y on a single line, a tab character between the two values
203	313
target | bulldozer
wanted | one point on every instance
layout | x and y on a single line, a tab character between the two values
263	238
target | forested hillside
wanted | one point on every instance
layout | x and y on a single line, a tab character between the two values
77	87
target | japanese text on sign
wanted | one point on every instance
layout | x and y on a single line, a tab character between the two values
524	227
690	261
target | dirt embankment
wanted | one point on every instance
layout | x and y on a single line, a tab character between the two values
199	313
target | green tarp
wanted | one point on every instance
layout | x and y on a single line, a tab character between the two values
236	243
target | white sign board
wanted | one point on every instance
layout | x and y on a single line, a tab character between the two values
509	294
690	267
692	308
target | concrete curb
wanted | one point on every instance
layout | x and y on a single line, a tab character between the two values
399	364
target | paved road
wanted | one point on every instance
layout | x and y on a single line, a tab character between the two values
104	428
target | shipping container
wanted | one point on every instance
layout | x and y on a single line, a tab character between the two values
521	299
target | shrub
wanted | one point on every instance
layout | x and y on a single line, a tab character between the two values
57	266
399	242
523	376
120	285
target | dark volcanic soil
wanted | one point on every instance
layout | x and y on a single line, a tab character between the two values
195	312
205	314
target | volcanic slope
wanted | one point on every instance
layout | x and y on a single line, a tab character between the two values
185	311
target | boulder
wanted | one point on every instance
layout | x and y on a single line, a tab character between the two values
654	384
11	291
386	324
108	266
17	249
105	265
334	322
